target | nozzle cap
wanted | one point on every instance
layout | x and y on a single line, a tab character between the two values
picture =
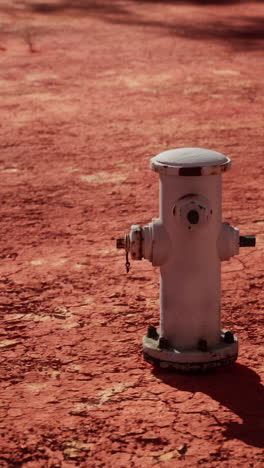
247	241
121	243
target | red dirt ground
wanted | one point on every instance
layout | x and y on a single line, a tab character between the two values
90	90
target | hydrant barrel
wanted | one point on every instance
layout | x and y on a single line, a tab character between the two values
190	210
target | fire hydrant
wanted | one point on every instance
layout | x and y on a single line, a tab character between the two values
188	242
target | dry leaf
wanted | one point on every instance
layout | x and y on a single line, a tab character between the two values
167	456
8	343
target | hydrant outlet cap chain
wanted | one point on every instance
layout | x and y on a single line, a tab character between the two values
190	162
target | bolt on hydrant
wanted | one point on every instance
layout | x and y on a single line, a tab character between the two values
188	242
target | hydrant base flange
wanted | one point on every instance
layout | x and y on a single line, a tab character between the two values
223	354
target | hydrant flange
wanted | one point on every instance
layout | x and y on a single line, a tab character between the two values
191	360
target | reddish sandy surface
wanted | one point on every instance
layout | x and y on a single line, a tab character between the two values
90	90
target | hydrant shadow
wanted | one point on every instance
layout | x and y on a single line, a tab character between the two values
235	387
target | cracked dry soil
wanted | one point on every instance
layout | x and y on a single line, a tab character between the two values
90	90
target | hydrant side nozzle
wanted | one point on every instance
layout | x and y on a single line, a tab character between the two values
135	239
228	241
247	241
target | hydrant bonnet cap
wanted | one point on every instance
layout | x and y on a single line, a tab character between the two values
190	162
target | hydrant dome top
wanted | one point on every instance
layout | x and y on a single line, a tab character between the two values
190	162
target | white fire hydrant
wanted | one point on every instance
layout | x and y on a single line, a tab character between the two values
188	242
